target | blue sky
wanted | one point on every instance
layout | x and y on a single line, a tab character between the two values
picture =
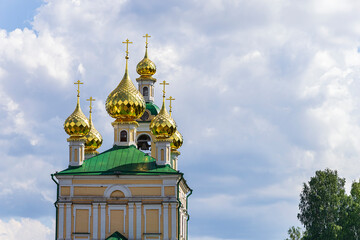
267	92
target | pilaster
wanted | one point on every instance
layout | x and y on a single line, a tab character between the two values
61	221
166	221
95	220
173	221
131	220
68	221
103	220
138	220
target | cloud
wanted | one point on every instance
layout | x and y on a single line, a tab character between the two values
24	227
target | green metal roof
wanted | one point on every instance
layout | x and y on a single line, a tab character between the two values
154	110
120	160
116	236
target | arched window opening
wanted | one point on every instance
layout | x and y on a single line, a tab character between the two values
144	143
123	136
145	91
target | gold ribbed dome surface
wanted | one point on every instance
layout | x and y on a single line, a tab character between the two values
163	126
93	139
177	140
146	68
125	102
77	124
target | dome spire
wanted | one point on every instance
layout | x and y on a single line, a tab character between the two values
127	42
170	107
163	126
125	102
90	111
94	138
146	68
146	44
77	124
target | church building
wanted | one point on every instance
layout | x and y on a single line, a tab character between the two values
134	189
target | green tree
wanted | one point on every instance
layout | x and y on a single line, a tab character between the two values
322	206
350	218
295	233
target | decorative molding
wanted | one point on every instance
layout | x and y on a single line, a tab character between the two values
152	207
117	207
117	187
84	207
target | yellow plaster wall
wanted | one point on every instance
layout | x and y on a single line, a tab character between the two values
169	191
116	181
82	221
117	194
65	191
89	191
152	221
117	221
145	191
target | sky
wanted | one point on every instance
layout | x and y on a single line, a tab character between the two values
267	92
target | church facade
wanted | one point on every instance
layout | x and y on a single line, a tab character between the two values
134	189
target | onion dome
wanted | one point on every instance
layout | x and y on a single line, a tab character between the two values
93	138
125	102
163	126
177	140
77	124
146	68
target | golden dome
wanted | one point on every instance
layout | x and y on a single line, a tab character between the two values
77	124
125	102
93	139
146	68
163	126
177	140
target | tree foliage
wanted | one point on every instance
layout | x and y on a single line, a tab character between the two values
295	233
326	211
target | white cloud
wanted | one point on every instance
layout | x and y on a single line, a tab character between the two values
24	228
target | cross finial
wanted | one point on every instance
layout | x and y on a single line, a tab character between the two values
164	83
127	42
170	99
78	90
91	100
146	36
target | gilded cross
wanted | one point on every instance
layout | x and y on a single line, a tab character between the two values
146	36
170	99
127	42
91	100
78	83
164	83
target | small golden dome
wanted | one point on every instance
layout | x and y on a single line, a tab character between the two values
125	102
146	68
93	139
177	140
163	126
77	124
